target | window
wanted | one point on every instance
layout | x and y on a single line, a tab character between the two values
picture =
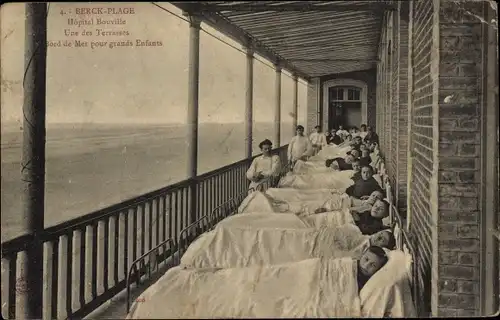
345	94
337	94
354	94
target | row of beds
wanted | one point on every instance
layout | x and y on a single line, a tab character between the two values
215	276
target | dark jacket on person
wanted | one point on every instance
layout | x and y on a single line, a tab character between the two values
334	139
371	138
361	278
342	164
369	225
363	188
365	161
356	176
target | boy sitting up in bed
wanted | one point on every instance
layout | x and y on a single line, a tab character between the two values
364	186
372	260
370	221
356	166
340	164
365	158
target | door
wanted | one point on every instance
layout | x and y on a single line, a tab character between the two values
344	107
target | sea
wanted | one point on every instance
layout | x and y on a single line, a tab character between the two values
91	166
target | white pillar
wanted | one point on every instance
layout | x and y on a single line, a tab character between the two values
295	103
192	116
249	103
277	108
193	93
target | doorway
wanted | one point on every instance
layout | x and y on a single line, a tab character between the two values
344	107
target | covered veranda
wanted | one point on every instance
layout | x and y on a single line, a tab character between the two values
426	74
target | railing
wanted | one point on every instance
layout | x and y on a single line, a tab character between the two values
86	260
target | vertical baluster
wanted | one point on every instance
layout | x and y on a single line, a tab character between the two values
150	224
106	254
210	195
95	229
12	288
175	214
157	217
199	203
180	198
116	248
142	241
125	244
83	236
54	278
69	274
170	219
134	234
205	198
164	214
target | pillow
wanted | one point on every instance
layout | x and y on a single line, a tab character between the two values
388	291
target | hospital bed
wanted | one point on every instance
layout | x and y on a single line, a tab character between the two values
404	253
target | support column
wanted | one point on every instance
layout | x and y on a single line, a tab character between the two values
489	159
277	108
193	94
193	106
33	160
295	103
249	104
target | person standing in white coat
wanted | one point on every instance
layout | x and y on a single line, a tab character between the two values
300	147
318	140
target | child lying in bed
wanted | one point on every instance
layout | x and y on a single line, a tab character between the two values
359	205
372	260
370	221
364	186
365	201
340	164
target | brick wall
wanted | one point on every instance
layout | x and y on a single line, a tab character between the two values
402	118
313	103
367	76
421	148
460	77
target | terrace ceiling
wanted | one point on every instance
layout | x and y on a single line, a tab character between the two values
308	38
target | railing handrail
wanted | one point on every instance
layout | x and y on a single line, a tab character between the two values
19	243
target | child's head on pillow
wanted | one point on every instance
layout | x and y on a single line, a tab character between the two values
372	260
380	209
383	239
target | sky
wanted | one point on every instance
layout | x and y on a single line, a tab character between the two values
136	84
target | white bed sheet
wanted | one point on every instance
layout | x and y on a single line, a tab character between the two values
289	221
339	180
308	167
231	247
293	202
324	288
310	288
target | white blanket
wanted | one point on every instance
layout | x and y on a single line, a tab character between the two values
339	180
307	167
331	152
230	247
290	221
328	219
265	220
310	288
293	202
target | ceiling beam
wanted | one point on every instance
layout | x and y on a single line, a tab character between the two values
334	60
237	34
288	7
